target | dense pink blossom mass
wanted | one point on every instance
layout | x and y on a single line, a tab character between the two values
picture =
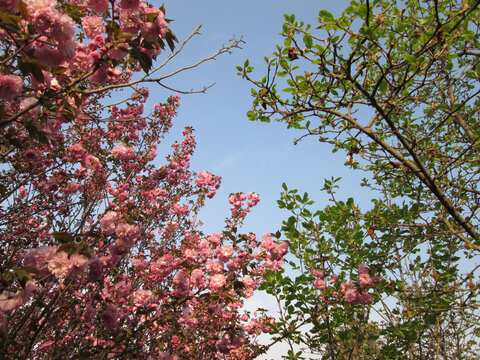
102	255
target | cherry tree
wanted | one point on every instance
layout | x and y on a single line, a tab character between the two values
102	252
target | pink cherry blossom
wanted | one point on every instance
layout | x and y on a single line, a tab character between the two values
130	4
364	280
181	287
49	57
317	273
364	298
117	53
38	258
320	284
217	282
225	253
10	86
351	296
110	317
250	285
58	265
98	6
9	4
142	297
196	278
126	235
123	153
61	265
81	62
130	21
214	267
95	269
346	286
159	28
93	26
34	5
362	269
78	266
10	300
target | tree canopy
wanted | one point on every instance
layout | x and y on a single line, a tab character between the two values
395	86
102	254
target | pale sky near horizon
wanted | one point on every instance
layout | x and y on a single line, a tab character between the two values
249	156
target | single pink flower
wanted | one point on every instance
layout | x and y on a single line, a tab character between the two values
81	62
38	258
214	267
225	253
118	54
351	296
93	26
58	265
130	21
107	223
93	162
362	269
100	76
142	297
126	235
10	86
10	300
95	270
122	152
320	284
364	298
346	286
34	5
77	266
364	280
196	278
182	289
49	57
110	317
217	282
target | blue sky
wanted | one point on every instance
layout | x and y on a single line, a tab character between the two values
249	156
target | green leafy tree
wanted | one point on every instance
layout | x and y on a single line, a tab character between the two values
394	85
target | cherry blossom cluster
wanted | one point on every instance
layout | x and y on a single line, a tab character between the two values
237	201
102	253
352	293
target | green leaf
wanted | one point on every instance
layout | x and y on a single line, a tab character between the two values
284	63
411	59
326	16
269	276
307	39
383	86
7	17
